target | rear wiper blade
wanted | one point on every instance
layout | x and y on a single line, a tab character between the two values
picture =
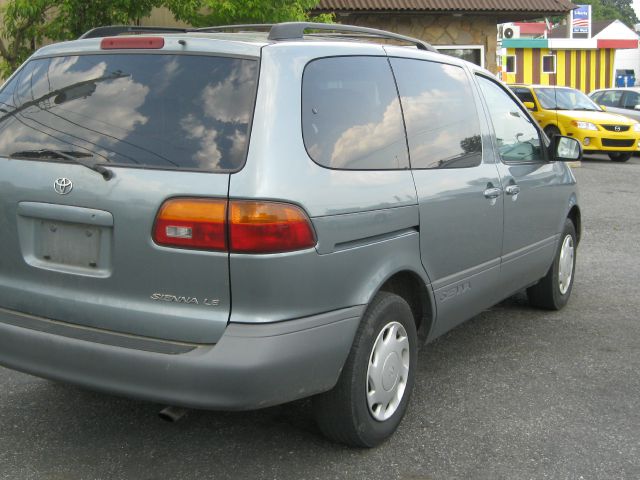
76	157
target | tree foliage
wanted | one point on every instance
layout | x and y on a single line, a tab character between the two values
611	10
27	23
202	13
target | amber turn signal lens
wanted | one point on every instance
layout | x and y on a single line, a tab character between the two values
192	223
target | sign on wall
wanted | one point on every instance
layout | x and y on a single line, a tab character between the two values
581	20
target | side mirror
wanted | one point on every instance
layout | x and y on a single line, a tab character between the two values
565	149
530	106
604	109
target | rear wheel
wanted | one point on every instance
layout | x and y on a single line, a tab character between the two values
620	156
372	393
554	290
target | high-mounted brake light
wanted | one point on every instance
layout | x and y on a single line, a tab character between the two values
252	226
114	43
192	223
268	227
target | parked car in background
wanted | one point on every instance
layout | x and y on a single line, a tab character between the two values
231	221
567	111
624	101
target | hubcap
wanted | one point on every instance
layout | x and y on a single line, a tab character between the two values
565	265
388	371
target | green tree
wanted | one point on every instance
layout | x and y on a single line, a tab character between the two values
27	23
611	10
201	13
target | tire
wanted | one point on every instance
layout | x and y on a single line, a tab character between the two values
551	131
620	156
344	414
552	292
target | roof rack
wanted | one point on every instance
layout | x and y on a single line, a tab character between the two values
295	30
248	26
279	31
114	30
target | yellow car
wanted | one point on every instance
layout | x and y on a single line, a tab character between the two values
567	111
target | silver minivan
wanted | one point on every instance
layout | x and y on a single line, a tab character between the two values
230	221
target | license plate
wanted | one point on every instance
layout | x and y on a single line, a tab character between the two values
68	244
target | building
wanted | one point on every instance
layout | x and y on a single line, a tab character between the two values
465	29
583	63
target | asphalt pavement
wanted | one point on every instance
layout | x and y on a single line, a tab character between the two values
515	393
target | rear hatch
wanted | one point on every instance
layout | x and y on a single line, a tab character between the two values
80	249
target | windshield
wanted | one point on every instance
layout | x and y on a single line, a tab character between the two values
564	99
159	111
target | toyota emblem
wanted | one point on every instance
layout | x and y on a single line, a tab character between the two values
617	128
62	186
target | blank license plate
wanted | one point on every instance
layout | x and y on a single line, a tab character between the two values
68	243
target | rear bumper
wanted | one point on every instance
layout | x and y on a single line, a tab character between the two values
252	366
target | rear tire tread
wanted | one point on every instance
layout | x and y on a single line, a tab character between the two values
336	411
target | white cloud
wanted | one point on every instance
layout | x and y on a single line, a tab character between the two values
222	102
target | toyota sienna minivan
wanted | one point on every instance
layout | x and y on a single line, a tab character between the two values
223	219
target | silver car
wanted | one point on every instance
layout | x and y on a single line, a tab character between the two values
623	100
230	221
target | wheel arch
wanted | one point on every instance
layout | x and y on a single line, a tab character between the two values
576	217
413	288
553	125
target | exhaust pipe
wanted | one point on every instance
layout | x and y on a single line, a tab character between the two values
172	414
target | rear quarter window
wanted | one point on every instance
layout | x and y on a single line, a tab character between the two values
141	110
351	117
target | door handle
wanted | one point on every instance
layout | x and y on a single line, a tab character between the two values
492	192
512	190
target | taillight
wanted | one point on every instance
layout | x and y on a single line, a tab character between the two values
192	223
253	226
268	227
113	43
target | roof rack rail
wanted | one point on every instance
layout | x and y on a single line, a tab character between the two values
279	31
249	26
114	30
295	30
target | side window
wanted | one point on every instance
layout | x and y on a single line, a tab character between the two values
596	97
510	64
631	100
351	117
442	123
610	98
548	64
518	139
523	94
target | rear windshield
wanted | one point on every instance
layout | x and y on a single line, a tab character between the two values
140	110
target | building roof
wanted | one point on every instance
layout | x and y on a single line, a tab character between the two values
540	7
562	31
527	28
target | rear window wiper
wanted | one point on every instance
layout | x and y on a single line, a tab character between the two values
76	157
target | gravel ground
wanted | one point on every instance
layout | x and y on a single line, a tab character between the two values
513	393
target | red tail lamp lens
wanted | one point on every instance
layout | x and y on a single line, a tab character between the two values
192	223
268	227
114	43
